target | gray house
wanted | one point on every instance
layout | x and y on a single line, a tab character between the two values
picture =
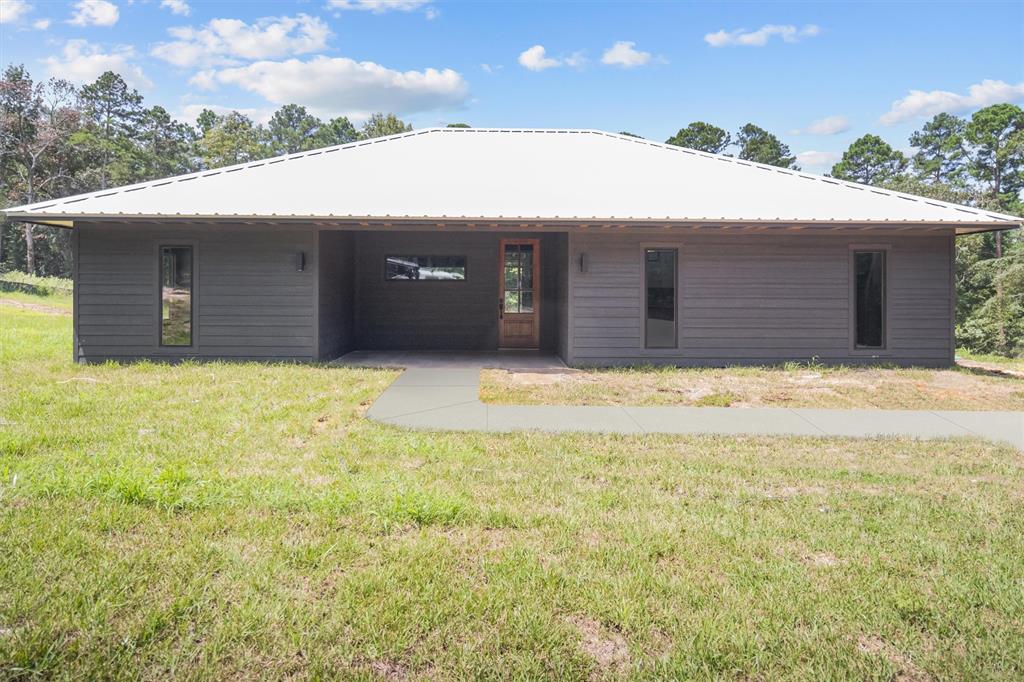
603	248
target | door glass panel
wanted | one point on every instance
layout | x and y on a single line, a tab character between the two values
660	279
176	295
511	301
526	302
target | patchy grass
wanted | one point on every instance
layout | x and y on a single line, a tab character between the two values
57	302
210	521
790	385
1014	364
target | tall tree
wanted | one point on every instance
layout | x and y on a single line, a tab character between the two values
940	156
336	131
871	161
758	145
382	125
292	129
165	145
995	139
36	123
234	138
112	113
702	136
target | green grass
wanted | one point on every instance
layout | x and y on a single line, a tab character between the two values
206	521
1002	361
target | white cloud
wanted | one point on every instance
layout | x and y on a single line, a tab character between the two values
536	59
624	53
921	104
41	24
94	13
576	60
760	37
226	41
830	125
179	7
491	68
12	10
378	6
338	85
432	13
83	62
818	159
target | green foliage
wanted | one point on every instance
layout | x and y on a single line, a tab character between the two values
940	150
871	161
760	146
458	125
995	136
233	138
703	137
382	125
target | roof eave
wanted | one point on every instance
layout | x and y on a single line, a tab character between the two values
65	220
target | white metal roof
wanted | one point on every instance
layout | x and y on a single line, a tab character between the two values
476	173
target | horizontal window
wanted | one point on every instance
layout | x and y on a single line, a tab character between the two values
450	268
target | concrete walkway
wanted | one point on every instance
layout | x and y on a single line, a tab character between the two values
442	391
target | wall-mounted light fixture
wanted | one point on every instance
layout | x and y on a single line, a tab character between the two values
583	262
300	261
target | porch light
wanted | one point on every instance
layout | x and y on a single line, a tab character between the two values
300	261
583	262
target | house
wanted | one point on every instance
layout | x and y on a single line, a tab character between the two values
602	248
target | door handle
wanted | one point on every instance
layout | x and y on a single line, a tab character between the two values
501	309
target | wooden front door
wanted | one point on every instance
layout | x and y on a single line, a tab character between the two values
519	305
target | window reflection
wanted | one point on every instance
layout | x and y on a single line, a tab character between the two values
451	268
176	295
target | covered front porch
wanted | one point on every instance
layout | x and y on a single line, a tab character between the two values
440	291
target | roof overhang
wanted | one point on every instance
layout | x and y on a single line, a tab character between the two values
519	223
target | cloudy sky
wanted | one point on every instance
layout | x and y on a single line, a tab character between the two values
819	75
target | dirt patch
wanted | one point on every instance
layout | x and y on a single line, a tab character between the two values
35	307
905	669
991	368
606	647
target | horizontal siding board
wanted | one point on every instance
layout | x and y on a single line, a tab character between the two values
250	301
758	298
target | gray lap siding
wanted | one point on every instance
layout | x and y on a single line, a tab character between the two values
249	299
760	298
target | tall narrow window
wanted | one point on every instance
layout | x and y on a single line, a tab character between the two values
869	273
660	284
175	295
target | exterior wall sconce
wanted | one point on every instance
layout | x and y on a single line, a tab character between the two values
300	261
583	262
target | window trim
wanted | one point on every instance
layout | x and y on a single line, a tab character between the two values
886	348
676	304
384	269
159	246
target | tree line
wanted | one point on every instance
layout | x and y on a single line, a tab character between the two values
57	139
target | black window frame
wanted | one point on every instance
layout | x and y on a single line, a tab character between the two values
883	252
160	295
675	297
465	267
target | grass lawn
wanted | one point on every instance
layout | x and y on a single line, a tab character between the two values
210	521
1014	364
786	386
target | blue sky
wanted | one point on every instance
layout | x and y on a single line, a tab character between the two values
817	74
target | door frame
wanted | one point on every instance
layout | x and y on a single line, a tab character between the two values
535	242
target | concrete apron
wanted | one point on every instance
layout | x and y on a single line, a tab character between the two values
449	398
